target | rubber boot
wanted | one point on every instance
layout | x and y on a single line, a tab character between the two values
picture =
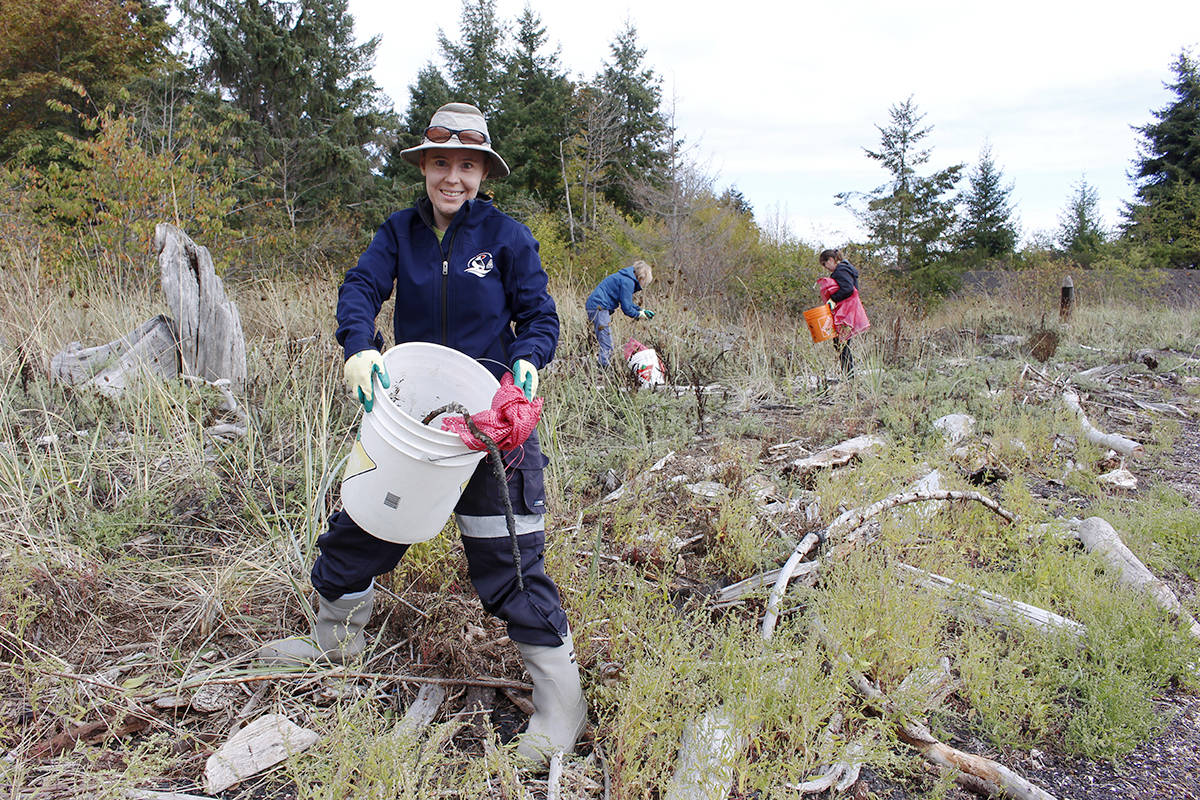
560	710
337	634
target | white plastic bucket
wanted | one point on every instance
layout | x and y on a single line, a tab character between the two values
646	367
403	479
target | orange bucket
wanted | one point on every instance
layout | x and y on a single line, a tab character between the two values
820	323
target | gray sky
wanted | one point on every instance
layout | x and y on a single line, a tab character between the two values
779	98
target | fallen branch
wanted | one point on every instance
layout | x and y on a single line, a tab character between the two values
994	607
494	683
1099	537
1113	441
853	519
845	525
995	778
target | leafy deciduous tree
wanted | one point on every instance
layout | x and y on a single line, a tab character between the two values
102	45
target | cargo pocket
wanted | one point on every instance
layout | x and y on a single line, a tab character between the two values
527	490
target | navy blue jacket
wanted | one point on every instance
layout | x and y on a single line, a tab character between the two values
847	280
616	290
481	290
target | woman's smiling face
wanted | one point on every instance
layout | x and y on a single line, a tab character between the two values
452	177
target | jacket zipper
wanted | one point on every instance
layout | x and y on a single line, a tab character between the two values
446	284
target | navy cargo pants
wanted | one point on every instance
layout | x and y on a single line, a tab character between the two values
351	558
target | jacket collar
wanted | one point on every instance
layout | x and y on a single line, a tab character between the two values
471	208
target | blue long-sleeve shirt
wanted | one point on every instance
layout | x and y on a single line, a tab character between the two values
616	290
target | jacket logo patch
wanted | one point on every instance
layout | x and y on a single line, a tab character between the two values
481	264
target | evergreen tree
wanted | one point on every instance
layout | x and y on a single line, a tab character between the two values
987	229
533	122
102	45
314	117
1165	217
476	62
429	93
1081	232
641	126
910	216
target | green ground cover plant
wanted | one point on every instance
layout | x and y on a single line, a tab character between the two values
136	536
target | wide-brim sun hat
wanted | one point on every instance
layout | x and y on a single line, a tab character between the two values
459	117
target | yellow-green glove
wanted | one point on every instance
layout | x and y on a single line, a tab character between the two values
360	369
525	377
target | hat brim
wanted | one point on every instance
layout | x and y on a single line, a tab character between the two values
497	168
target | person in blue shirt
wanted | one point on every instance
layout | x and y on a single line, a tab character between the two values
615	291
467	276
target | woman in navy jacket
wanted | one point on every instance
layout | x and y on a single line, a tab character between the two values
466	276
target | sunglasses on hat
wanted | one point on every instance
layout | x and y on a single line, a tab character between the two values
440	134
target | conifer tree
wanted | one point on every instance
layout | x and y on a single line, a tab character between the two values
429	93
1165	217
475	63
987	229
314	115
910	217
1081	232
534	116
636	91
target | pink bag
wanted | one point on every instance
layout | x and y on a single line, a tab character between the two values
849	314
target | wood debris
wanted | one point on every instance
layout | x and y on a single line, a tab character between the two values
262	744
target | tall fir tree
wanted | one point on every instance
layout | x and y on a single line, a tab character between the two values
642	129
910	217
315	124
426	95
475	63
987	230
1081	233
1165	216
533	122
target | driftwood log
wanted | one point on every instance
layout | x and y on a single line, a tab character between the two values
422	711
1099	537
210	330
708	751
1113	441
845	526
149	349
982	774
992	607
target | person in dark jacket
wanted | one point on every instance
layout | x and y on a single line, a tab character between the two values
615	291
467	276
846	276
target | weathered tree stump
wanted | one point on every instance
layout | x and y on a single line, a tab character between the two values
210	330
150	349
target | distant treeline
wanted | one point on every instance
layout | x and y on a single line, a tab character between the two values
257	126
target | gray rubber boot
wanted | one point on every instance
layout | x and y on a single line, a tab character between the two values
337	635
560	710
